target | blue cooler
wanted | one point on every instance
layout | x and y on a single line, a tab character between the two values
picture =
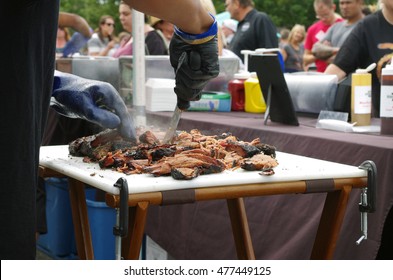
102	220
59	241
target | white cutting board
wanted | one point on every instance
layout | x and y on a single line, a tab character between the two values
290	168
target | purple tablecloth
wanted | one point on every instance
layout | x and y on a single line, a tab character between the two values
283	226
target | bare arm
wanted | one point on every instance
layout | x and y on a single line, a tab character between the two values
308	58
335	70
75	22
188	15
284	54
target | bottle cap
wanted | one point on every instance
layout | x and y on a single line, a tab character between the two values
368	69
253	75
244	75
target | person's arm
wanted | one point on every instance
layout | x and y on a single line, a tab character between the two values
308	58
188	15
108	48
324	51
284	54
335	70
76	22
94	48
193	49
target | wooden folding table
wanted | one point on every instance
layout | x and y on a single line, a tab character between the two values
294	175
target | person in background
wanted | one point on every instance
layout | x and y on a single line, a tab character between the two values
255	29
30	83
325	13
125	16
229	27
366	10
63	36
102	42
293	51
328	46
82	32
123	36
371	41
283	37
154	45
223	50
164	28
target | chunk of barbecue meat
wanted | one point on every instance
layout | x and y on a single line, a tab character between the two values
159	153
149	138
232	159
85	146
206	164
242	149
267	149
184	173
141	152
259	162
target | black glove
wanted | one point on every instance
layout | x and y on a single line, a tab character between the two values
195	60
95	101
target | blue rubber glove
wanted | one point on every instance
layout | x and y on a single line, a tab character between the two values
95	101
195	60
76	42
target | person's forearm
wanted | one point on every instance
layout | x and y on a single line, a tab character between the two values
188	15
308	58
335	70
75	22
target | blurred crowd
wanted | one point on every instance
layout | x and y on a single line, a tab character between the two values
299	48
302	48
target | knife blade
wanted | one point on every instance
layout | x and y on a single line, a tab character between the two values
172	125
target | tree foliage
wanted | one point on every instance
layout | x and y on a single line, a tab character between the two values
92	10
284	13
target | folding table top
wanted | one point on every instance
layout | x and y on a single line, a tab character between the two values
291	168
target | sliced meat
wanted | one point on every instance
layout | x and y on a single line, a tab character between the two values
149	138
190	154
184	173
259	162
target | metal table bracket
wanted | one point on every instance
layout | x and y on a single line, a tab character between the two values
121	228
367	197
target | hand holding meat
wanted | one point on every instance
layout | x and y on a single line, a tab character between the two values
95	101
195	60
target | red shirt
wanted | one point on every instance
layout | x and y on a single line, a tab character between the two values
314	33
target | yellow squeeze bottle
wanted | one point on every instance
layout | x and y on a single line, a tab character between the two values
253	101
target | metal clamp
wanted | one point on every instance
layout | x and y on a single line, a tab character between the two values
367	197
121	229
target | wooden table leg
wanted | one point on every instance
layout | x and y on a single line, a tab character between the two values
80	219
330	224
240	229
132	243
